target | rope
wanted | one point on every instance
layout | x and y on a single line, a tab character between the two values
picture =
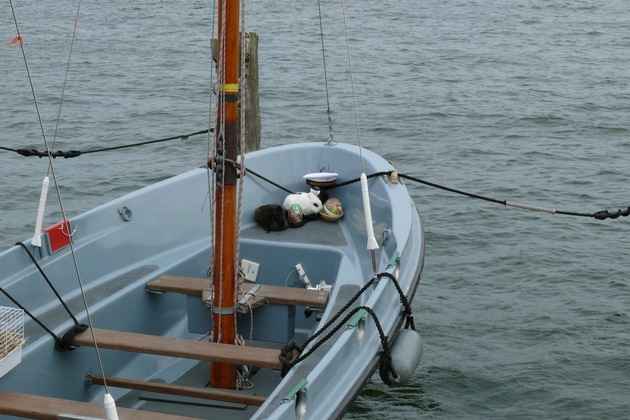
239	275
403	300
41	271
243	373
74	153
599	215
65	342
352	181
249	171
51	170
19	305
287	354
210	153
65	80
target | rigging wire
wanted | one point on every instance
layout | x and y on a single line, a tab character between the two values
242	134
354	95
61	205
372	245
242	374
328	111
211	150
46	182
65	78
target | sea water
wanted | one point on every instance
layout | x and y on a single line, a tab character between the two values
523	314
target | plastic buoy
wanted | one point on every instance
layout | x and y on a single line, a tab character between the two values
110	407
406	352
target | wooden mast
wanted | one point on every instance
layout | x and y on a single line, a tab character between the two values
224	303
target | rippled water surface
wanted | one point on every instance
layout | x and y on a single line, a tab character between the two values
524	314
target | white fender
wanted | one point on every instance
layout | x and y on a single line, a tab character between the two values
110	407
406	352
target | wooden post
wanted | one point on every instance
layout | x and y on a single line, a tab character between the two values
252	107
252	110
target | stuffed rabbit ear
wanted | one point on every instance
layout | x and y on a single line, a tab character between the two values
315	204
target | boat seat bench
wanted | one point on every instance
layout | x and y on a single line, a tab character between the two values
39	407
272	294
178	347
186	391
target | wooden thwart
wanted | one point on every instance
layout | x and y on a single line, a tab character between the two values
47	408
271	294
184	391
177	347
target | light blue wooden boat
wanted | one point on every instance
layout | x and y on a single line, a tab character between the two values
143	271
163	230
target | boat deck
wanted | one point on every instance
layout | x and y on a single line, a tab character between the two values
317	232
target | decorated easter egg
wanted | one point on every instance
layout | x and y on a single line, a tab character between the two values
332	210
295	215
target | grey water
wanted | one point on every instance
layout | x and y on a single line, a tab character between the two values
523	314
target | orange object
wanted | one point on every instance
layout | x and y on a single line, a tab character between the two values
17	40
59	236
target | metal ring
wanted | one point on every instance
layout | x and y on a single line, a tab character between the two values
125	213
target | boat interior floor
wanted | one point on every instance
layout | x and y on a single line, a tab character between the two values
317	232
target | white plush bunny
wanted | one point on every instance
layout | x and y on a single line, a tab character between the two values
308	201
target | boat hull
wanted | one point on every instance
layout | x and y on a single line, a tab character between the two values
163	229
